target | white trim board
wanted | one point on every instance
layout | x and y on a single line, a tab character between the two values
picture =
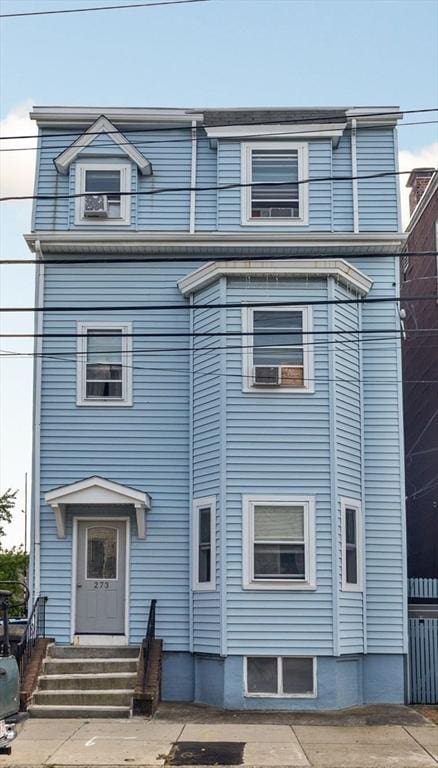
315	130
104	126
74	567
342	244
342	270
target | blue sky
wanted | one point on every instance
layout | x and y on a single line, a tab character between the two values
217	53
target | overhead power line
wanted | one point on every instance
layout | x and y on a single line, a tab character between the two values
204	334
100	8
224	305
212	188
208	258
187	139
329	117
367	344
230	375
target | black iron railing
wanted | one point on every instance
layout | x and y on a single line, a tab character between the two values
34	629
19	597
150	635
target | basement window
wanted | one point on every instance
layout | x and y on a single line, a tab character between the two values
280	676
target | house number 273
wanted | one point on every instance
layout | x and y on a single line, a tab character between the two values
101	584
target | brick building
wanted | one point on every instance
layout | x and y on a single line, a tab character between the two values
419	277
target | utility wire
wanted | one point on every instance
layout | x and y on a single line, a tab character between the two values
206	334
232	347
100	8
208	259
143	144
220	187
329	117
218	374
223	305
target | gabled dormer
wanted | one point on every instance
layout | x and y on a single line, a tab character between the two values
103	166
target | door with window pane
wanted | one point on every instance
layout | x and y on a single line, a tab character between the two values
100	577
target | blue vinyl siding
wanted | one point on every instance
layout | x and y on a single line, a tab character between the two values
348	456
342	190
275	443
330	203
207	456
206	176
278	443
383	504
51	214
377	197
144	446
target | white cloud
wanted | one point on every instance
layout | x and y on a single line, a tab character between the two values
425	157
17	169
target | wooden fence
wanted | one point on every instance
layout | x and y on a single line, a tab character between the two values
423	588
423	644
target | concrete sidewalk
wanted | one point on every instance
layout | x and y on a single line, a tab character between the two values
235	739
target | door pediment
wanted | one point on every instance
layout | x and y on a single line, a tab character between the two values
97	490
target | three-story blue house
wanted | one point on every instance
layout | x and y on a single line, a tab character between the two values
218	413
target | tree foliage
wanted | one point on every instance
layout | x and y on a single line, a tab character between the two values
13	562
13	568
7	504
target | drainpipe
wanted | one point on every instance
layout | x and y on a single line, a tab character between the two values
38	343
193	178
354	174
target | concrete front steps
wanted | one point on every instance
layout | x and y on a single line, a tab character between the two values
81	681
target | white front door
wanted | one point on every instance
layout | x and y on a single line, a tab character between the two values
100	577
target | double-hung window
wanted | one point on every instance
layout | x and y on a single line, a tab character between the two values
351	545
277	351
104	364
278	541
204	544
100	187
272	192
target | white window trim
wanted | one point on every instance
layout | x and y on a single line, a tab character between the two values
279	695
248	384
248	504
246	178
81	372
347	503
125	201
201	503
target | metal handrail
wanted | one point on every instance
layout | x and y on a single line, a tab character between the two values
12	603
150	635
35	629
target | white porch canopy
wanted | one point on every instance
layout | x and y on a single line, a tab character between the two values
97	490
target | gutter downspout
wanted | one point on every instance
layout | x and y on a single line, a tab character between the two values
191	518
354	182
193	178
35	506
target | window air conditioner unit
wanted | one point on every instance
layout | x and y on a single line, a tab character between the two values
267	375
96	205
